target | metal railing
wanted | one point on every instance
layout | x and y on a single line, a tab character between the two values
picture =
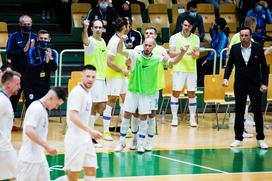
221	57
214	57
60	62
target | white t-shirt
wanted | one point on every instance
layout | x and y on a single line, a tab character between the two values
81	101
91	47
6	122
36	116
113	44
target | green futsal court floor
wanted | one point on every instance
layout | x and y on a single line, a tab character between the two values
174	162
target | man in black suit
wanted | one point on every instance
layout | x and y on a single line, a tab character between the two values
251	78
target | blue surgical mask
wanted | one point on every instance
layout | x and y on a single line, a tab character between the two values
192	14
103	6
42	43
259	8
26	28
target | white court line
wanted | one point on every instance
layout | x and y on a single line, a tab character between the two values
181	175
188	163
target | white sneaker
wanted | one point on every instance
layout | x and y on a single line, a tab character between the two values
98	145
249	120
174	122
148	147
119	147
140	148
262	144
236	143
107	136
133	145
247	135
193	122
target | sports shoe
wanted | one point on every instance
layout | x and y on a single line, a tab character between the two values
96	144
148	147
236	143
249	121
107	136
193	122
140	148
133	146
247	135
174	122
119	147
262	144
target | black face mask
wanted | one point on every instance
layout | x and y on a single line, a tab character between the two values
26	29
42	43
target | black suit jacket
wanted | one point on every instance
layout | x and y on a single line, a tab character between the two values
252	75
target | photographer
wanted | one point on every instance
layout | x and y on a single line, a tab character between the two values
42	60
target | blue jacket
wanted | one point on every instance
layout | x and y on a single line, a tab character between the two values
37	65
219	42
262	18
198	23
15	50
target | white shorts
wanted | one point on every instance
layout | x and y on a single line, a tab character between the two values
155	101
180	78
33	171
78	156
117	86
8	164
99	91
136	100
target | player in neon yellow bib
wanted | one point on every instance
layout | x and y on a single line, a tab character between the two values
96	55
150	32
185	70
142	87
116	74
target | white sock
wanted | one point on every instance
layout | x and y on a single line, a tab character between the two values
122	112
124	129
151	129
134	126
192	106
174	107
107	118
142	131
93	118
246	110
89	178
62	178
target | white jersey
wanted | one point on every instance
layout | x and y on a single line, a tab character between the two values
6	122
36	116
78	100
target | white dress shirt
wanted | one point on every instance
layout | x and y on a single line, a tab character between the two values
246	53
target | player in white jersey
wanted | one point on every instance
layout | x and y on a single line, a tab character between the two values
8	156
79	149
32	163
150	32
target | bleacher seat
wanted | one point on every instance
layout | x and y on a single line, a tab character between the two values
3	34
136	16
227	8
205	8
167	2
231	21
159	18
79	10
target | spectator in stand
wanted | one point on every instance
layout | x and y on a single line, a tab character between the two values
198	20
107	14
244	6
123	7
42	60
220	34
134	36
263	16
18	45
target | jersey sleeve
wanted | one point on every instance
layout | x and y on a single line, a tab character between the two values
75	100
132	55
112	47
33	115
91	47
172	42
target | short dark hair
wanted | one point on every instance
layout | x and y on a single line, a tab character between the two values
119	23
191	4
246	28
88	67
189	19
8	75
61	93
4	67
42	31
97	20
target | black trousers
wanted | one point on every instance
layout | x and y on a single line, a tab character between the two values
255	96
